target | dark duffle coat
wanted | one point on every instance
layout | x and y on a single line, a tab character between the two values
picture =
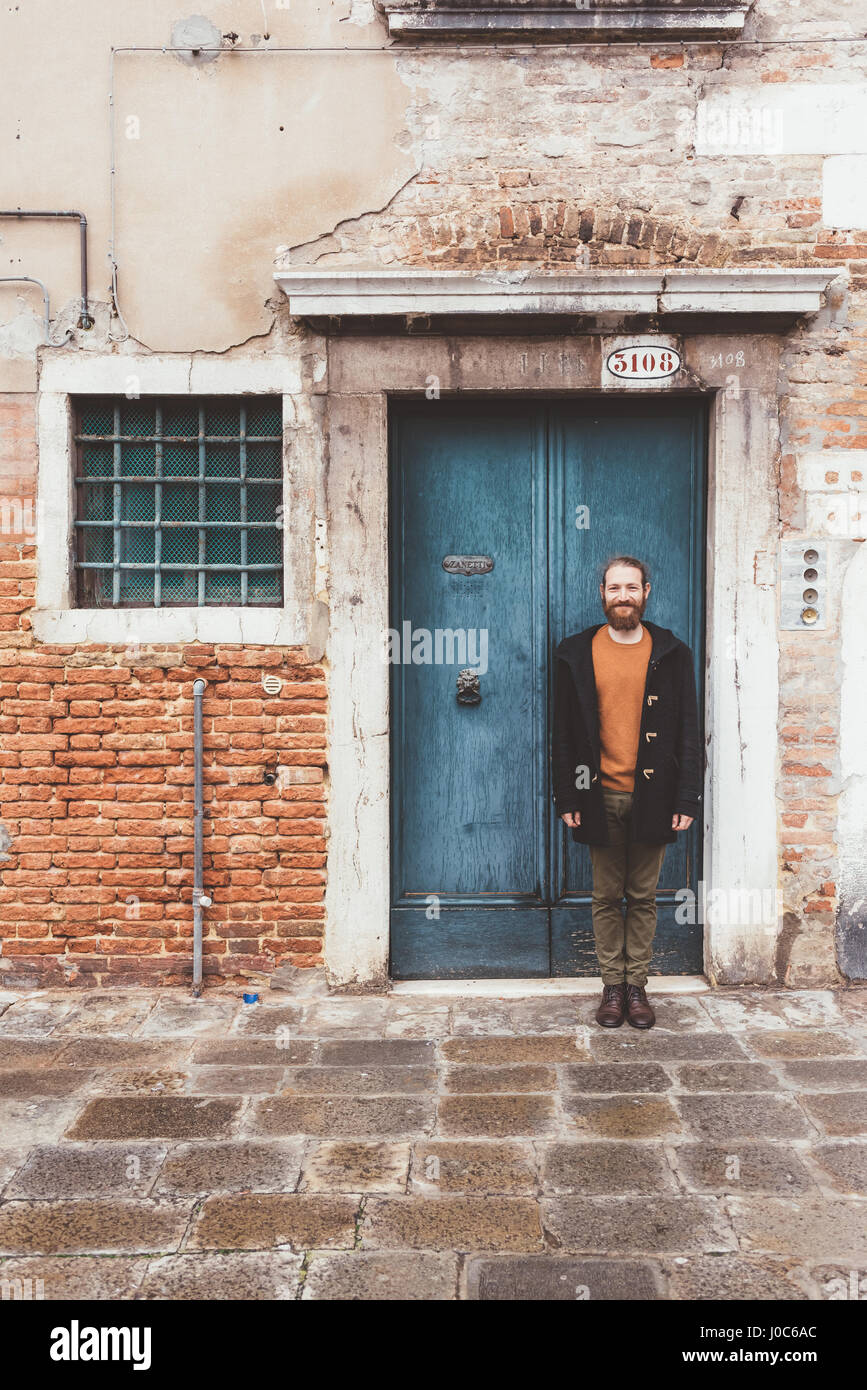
670	764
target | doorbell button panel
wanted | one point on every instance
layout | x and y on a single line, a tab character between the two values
803	585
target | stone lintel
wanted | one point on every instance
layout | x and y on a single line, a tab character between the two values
601	23
424	298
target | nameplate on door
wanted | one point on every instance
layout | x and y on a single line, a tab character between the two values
468	564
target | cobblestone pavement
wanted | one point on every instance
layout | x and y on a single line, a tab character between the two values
153	1146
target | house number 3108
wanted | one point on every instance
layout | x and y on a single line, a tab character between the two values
643	363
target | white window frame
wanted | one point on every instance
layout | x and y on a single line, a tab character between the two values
56	619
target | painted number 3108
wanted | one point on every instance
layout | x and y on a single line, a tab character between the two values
643	363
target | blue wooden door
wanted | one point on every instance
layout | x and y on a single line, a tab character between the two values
486	882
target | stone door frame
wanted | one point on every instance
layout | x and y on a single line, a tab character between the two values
738	374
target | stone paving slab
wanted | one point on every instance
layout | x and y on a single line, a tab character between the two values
234	1165
826	1074
368	1275
10	1161
122	1052
348	1018
622	1117
179	1016
157	1117
742	1117
85	1277
600	1169
416	1020
600	1225
469	1080
268	1020
34	1017
377	1052
235	1081
254	1052
127	1081
358	1081
505	1049
347	1166
451	1223
342	1116
28	1052
726	1076
517	1017
87	1170
844	1166
560	1278
810	1228
260	1221
104	1012
657	1046
632	1225
261	1276
91	1226
742	1166
39	1120
23	1084
732	1277
442	1165
804	1044
841	1113
500	1116
368	1147
615	1076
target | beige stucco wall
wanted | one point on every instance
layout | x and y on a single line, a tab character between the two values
216	163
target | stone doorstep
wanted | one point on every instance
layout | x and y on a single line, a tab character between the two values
677	985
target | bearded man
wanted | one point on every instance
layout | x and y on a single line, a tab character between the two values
626	773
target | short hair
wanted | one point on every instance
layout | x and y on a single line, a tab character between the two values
631	561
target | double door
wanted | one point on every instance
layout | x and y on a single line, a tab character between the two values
502	515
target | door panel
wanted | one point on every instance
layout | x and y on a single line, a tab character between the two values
469	861
486	882
637	466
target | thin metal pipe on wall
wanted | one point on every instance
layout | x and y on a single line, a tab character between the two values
199	898
85	319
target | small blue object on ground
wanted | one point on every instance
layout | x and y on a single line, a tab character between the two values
251	998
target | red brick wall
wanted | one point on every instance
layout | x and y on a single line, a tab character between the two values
98	800
96	757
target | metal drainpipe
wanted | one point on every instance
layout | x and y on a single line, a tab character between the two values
200	898
85	320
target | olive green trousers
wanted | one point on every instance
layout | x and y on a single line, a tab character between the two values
624	870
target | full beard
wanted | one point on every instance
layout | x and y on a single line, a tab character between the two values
623	617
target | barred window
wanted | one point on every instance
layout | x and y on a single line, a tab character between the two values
178	501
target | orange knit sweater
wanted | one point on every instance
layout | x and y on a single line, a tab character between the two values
620	669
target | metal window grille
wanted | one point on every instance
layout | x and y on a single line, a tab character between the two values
178	502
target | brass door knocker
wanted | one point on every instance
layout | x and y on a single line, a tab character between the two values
468	687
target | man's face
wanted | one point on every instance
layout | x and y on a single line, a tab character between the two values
624	598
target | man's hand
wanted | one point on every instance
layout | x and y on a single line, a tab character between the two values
681	822
572	818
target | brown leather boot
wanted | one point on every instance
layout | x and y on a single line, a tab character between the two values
610	1013
638	1011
